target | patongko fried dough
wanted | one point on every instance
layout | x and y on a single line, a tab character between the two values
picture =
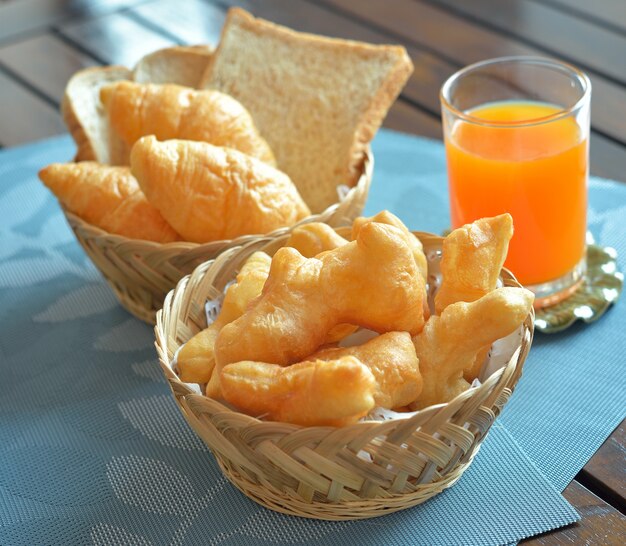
372	282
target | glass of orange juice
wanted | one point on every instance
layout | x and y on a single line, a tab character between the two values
516	131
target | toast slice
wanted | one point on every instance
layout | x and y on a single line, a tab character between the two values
180	65
86	118
317	101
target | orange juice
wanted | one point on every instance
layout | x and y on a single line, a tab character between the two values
535	171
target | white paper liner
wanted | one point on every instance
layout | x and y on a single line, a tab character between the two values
174	366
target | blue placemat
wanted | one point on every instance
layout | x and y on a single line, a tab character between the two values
94	450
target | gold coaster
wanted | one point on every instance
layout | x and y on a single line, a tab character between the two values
601	287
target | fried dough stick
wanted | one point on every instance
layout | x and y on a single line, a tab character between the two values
391	358
471	261
372	282
310	393
314	238
386	217
450	342
196	359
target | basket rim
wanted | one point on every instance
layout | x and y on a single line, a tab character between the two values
98	233
509	373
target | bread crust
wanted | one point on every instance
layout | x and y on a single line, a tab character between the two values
182	65
84	114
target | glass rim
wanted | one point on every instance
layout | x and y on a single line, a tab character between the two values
575	73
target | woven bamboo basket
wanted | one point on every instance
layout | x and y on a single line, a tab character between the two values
364	470
141	273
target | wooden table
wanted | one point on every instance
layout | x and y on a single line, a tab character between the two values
42	42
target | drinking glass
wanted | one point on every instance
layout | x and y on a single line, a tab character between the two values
516	131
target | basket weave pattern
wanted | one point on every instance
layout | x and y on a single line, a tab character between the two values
141	273
359	471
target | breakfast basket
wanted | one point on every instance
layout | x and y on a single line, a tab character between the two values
141	273
358	471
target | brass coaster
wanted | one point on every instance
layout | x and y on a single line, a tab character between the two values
601	287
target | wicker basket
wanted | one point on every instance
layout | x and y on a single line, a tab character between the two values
141	273
323	472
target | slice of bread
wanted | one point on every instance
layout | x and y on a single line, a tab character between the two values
181	65
86	118
317	101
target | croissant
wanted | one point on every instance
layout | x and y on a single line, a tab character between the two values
107	197
172	111
209	193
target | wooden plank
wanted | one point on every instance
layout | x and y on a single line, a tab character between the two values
600	523
25	117
419	23
31	15
45	62
415	22
430	70
610	13
114	39
568	36
607	158
407	118
198	23
606	471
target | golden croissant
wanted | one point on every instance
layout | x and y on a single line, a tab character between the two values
450	342
107	197
391	358
472	257
310	393
208	193
171	111
372	282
